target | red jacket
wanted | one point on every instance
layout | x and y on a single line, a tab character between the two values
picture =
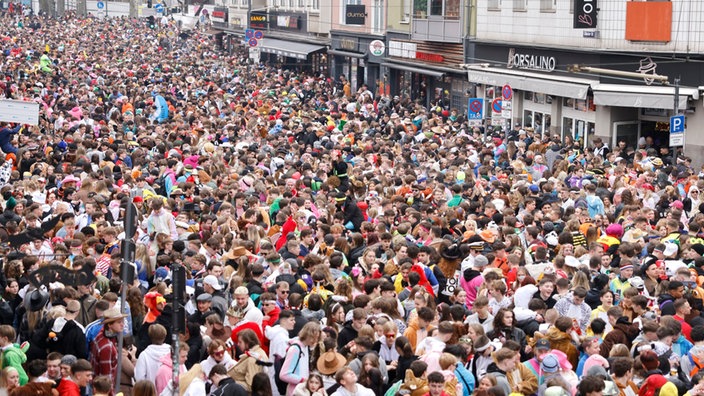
68	388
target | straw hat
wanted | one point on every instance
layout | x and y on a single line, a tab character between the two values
330	361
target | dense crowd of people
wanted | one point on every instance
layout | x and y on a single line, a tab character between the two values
336	242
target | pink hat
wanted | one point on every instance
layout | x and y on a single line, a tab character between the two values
615	230
595	360
677	204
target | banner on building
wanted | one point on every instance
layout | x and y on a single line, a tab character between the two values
585	14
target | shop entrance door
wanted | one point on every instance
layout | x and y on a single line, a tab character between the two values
626	130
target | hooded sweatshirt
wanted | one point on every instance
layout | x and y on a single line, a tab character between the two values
163	375
149	361
13	356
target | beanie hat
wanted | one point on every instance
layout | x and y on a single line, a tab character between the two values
10	204
69	360
550	364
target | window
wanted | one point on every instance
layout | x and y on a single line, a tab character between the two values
436	7
549	5
378	16
301	4
576	129
494	5
519	5
449	9
407	9
420	9
540	122
343	9
314	5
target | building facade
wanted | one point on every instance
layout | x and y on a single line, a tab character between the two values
534	47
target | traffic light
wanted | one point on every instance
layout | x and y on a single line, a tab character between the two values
149	3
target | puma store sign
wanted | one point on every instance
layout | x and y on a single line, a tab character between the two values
517	60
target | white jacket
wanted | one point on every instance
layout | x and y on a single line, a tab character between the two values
149	361
359	391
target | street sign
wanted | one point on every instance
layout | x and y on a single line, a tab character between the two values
475	109
253	42
258	34
507	92
496	105
506	108
248	33
159	8
677	129
101	5
676	139
677	124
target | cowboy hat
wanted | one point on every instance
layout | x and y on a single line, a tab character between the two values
330	361
112	315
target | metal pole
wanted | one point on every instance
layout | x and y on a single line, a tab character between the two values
677	108
120	337
174	374
176	304
127	269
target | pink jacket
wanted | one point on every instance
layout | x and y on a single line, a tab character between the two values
471	287
163	375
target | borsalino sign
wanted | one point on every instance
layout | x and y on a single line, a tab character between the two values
355	14
530	62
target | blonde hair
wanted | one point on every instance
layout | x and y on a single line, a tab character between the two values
447	360
188	377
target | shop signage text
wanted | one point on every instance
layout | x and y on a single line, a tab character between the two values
355	14
584	14
409	51
424	56
258	21
530	62
348	44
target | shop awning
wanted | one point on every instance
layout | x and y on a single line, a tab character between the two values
643	96
288	48
556	85
345	53
420	70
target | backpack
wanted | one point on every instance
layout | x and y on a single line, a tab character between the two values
160	185
279	363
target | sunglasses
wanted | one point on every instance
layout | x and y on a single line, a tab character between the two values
218	353
390	335
284	291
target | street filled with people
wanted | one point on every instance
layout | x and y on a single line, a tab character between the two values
335	241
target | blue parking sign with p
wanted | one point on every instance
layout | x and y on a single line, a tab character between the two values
677	124
475	109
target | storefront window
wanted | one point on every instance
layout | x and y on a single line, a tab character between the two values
577	129
528	96
540	122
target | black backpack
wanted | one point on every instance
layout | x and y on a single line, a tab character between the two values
279	363
160	186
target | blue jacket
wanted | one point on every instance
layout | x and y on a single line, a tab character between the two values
465	378
6	134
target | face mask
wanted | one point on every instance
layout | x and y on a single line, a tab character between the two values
521	278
